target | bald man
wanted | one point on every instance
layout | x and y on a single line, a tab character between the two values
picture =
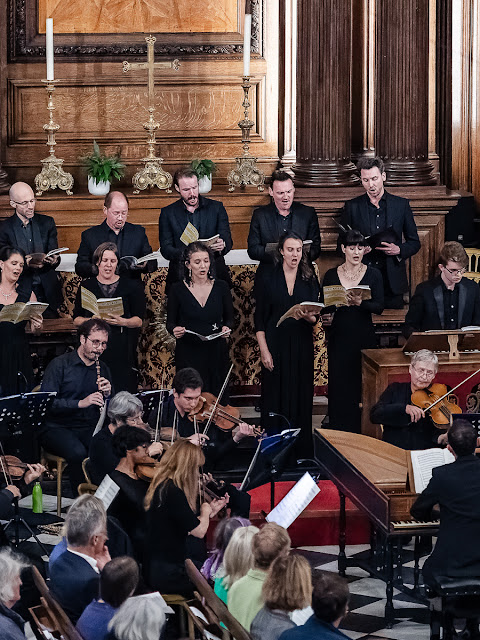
131	239
34	233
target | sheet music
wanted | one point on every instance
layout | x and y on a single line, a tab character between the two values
423	463
107	491
296	501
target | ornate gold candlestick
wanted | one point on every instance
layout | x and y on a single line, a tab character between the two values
246	171
52	175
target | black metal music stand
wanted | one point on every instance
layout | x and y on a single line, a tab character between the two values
151	401
269	461
20	414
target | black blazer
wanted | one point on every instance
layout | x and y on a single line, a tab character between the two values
400	217
44	234
263	230
171	225
74	583
134	243
426	309
455	487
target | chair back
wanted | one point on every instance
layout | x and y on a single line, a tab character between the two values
473	272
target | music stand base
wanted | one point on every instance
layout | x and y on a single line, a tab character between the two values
16	521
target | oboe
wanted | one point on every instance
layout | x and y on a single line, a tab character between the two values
99	375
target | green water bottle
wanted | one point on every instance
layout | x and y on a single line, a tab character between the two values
37	498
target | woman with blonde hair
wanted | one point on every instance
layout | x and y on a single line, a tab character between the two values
288	587
237	560
171	505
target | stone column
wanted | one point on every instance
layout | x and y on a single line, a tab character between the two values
401	111
324	69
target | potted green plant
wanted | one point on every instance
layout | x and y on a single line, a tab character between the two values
102	170
204	170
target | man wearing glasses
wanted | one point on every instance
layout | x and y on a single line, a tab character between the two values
34	233
131	240
81	393
448	301
404	424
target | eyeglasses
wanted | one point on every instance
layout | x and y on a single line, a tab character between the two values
136	419
97	343
456	272
428	373
25	202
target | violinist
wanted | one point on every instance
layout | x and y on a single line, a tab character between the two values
16	478
406	425
130	445
124	409
219	446
171	505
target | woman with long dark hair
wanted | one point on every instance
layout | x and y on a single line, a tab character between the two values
351	331
16	373
171	504
203	304
287	351
121	352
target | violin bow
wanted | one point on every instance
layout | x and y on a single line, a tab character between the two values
452	390
5	469
222	391
160	407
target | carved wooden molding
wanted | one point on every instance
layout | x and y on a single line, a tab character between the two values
24	41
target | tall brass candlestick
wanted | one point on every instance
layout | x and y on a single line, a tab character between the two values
52	175
246	171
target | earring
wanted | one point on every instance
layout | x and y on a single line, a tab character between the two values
189	273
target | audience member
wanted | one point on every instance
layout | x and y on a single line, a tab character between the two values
139	618
245	595
11	623
237	560
288	587
118	580
213	566
75	575
330	605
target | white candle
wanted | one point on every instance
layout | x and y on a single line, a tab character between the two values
247	34
49	43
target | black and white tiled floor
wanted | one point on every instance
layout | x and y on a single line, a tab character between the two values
367	604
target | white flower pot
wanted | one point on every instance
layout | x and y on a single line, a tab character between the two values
205	184
98	188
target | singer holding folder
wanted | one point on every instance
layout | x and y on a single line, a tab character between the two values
287	350
16	373
121	352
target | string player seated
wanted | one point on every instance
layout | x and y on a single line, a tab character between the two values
406	425
448	301
123	410
219	446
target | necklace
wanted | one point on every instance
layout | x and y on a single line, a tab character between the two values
7	295
352	275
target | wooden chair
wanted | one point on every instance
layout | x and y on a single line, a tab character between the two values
52	611
61	464
212	602
185	621
473	272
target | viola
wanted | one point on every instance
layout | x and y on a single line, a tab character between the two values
12	467
225	417
437	400
147	468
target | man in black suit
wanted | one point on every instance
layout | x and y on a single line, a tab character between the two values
379	211
34	233
131	240
190	218
404	424
281	215
455	488
75	575
448	301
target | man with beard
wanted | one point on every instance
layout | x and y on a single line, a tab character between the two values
192	218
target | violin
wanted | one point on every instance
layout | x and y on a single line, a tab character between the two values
147	468
12	467
438	401
225	417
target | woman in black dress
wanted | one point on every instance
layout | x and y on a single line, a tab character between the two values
171	505
131	445
16	373
202	304
121	352
351	331
287	351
